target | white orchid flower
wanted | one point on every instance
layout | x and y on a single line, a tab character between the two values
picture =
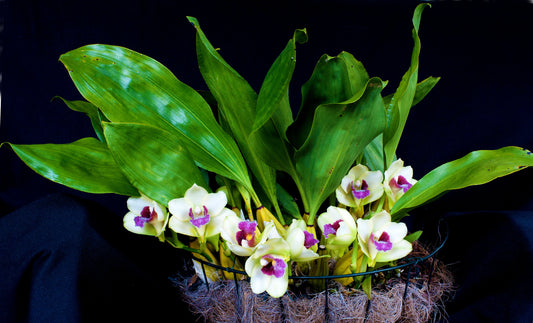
339	229
199	213
398	180
360	187
301	242
268	268
243	236
145	216
382	240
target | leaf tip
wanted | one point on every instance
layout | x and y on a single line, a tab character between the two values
300	36
193	21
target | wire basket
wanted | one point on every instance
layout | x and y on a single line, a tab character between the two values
412	268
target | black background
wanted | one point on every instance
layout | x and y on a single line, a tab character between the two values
65	256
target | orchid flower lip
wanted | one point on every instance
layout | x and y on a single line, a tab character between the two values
360	189
199	217
331	228
273	266
246	233
309	240
147	214
401	183
382	243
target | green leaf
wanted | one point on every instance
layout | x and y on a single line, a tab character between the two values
423	88
130	87
90	110
154	160
237	103
334	80
287	203
339	134
398	108
276	84
367	286
274	114
478	167
85	165
373	154
413	236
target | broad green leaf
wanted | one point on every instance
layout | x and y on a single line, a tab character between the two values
130	87
85	165
276	84
237	103
90	110
478	167
154	160
413	236
334	80
287	203
271	144
274	114
401	102
374	151
373	154
339	134
423	88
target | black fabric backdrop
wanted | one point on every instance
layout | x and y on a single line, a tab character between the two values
64	256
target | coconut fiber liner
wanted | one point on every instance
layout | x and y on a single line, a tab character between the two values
221	302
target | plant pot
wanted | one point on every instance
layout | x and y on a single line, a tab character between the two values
417	293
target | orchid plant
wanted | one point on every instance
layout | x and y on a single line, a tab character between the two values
196	164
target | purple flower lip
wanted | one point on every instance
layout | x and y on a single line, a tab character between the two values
246	232
383	243
274	266
309	240
401	183
360	190
199	219
147	215
331	228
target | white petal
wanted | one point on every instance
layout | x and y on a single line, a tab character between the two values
391	172
278	286
406	172
345	235
230	227
396	231
296	240
345	183
374	178
183	227
216	223
364	229
358	171
137	204
346	217
180	208
260	282
196	195
375	193
215	202
129	224
343	198
399	250
364	246
252	264
306	255
240	251
162	213
380	221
